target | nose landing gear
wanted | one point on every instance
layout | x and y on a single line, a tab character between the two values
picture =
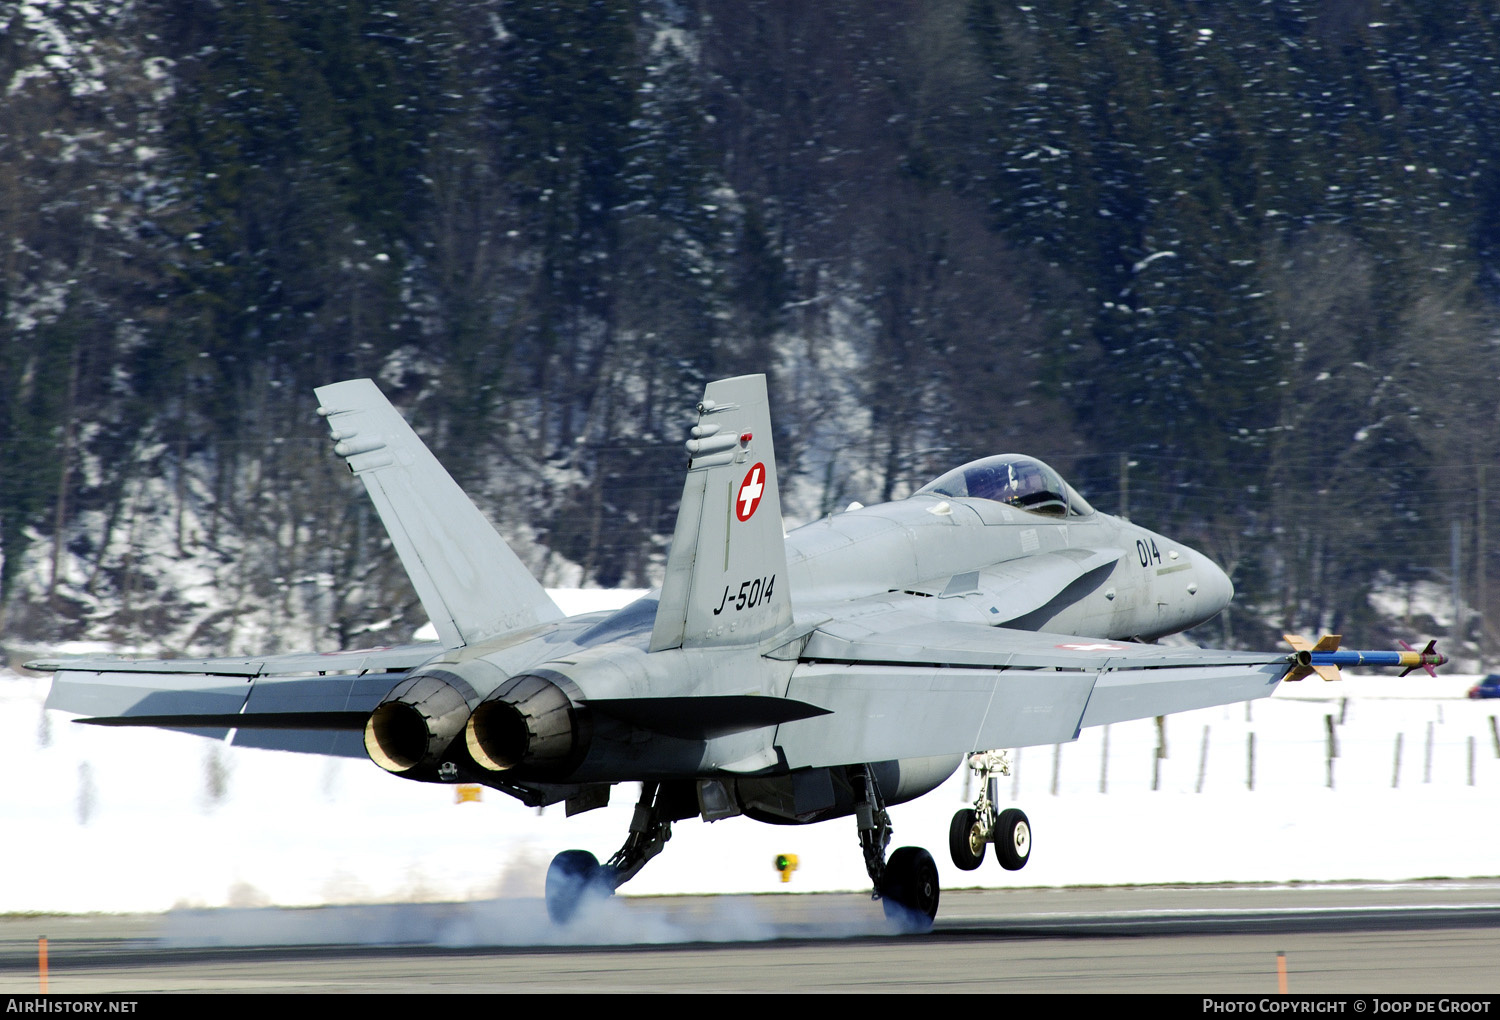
973	828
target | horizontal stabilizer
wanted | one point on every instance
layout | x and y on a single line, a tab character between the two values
350	661
244	721
123	694
703	718
340	734
318	714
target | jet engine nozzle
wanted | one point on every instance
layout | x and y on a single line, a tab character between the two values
415	724
528	721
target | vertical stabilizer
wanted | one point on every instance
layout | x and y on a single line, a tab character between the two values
470	582
726	578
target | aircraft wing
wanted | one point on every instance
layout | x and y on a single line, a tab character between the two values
903	686
311	702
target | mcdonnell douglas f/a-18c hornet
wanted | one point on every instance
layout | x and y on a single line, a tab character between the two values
850	665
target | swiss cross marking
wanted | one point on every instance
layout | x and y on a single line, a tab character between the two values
750	492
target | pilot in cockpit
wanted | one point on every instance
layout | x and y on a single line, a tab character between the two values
1015	480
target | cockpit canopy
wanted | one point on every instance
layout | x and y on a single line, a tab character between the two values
1013	479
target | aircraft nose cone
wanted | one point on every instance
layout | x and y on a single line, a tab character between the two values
1214	587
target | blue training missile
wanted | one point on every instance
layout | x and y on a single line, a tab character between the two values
1324	658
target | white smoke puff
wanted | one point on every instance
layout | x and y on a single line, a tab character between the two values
601	920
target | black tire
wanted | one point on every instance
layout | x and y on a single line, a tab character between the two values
572	875
909	892
964	844
1012	839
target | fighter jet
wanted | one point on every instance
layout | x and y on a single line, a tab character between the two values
853	664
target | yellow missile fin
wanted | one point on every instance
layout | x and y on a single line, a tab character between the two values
1303	668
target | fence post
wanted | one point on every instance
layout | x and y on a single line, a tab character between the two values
1333	746
1427	756
1161	752
1104	762
1203	760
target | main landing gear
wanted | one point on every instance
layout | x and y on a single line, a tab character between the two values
906	884
972	829
576	875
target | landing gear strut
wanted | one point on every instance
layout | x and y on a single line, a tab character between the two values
906	884
577	874
974	827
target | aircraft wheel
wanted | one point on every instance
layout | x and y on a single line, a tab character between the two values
965	840
910	889
572	875
1012	839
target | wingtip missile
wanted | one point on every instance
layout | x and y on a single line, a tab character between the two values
1324	658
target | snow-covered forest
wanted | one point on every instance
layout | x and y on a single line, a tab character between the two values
1231	268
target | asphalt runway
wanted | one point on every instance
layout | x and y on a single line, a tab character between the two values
1438	937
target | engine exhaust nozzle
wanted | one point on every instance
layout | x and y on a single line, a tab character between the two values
528	721
415	724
